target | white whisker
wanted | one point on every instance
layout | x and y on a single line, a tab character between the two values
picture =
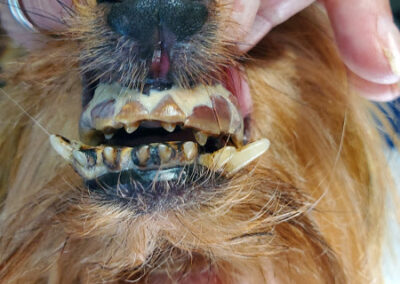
26	113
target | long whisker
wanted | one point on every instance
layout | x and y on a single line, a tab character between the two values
26	113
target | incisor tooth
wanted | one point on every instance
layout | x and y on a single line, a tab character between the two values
132	128
168	126
80	158
164	153
201	138
246	155
62	147
190	150
109	136
108	153
143	155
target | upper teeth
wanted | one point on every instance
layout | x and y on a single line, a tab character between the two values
201	138
132	128
109	136
93	162
210	109
168	126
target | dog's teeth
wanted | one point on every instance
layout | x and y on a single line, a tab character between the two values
168	126
246	155
143	155
80	158
132	127
238	140
164	152
217	160
108	154
62	147
190	150
109	136
201	138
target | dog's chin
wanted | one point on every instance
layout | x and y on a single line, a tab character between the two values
159	147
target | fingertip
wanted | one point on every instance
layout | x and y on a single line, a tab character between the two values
47	15
368	40
373	91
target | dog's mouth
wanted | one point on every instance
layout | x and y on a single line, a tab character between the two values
134	141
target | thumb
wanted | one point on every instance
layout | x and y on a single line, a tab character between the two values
44	15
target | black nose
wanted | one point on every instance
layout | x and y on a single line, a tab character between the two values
144	20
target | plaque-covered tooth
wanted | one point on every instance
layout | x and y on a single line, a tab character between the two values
201	138
125	158
62	146
132	127
143	154
217	160
109	154
164	152
190	150
170	127
80	158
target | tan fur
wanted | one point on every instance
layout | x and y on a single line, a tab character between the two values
309	211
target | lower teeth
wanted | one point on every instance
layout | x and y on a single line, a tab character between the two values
93	162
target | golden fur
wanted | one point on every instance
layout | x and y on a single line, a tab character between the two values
311	210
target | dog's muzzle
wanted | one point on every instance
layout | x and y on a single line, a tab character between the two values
162	141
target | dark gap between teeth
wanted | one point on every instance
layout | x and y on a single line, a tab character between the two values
145	136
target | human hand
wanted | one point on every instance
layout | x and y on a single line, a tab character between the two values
366	36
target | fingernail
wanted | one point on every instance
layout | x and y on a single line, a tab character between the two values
390	43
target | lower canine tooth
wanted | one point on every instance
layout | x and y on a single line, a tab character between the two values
143	155
164	152
246	155
80	158
168	126
190	150
62	147
201	138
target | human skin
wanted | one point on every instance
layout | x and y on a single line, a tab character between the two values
367	38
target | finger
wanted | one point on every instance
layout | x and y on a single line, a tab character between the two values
367	38
373	91
44	14
255	24
48	14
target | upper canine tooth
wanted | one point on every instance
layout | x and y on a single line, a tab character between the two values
132	127
190	150
143	155
201	138
246	155
168	126
164	152
80	158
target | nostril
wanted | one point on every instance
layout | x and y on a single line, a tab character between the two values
142	19
135	18
184	18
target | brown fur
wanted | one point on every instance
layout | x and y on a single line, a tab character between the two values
309	211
